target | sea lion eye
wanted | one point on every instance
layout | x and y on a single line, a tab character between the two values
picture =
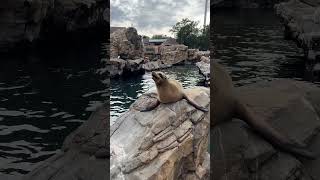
161	75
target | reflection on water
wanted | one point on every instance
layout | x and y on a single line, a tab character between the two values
42	100
125	91
250	44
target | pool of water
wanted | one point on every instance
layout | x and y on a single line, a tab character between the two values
124	91
42	100
250	44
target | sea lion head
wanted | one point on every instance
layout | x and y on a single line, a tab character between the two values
159	77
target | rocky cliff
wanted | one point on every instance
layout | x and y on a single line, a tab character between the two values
30	20
126	43
169	142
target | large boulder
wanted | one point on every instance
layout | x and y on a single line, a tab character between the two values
292	107
28	20
126	43
173	54
119	67
169	142
84	154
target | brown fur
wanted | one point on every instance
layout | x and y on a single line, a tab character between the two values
170	91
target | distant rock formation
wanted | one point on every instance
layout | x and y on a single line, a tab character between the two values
169	142
126	43
31	20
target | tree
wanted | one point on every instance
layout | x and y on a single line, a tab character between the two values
187	32
159	36
204	38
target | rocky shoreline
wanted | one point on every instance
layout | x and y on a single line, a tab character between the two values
129	56
84	154
301	22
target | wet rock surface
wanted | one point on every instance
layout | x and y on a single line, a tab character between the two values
169	142
292	107
84	155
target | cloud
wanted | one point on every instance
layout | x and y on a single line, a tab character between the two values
155	16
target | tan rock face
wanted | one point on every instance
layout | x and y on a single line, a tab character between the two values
163	143
173	54
126	43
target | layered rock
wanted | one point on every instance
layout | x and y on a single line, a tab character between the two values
120	67
204	68
173	54
30	20
155	65
169	142
301	22
84	155
126	43
292	107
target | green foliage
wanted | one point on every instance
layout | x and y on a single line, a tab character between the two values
187	32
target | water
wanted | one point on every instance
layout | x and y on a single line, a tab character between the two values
125	91
42	100
250	44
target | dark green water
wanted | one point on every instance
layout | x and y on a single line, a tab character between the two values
125	91
42	100
250	44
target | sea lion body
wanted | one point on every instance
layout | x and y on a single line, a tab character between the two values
227	106
175	89
170	91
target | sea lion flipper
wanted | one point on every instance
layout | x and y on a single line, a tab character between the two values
193	103
271	134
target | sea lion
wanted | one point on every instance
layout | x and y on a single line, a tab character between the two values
170	91
226	106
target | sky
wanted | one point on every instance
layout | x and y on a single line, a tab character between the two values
152	17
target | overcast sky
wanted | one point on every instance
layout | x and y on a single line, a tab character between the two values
156	16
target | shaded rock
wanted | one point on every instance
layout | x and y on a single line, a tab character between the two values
120	67
204	69
31	20
75	161
301	22
291	107
146	145
126	43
